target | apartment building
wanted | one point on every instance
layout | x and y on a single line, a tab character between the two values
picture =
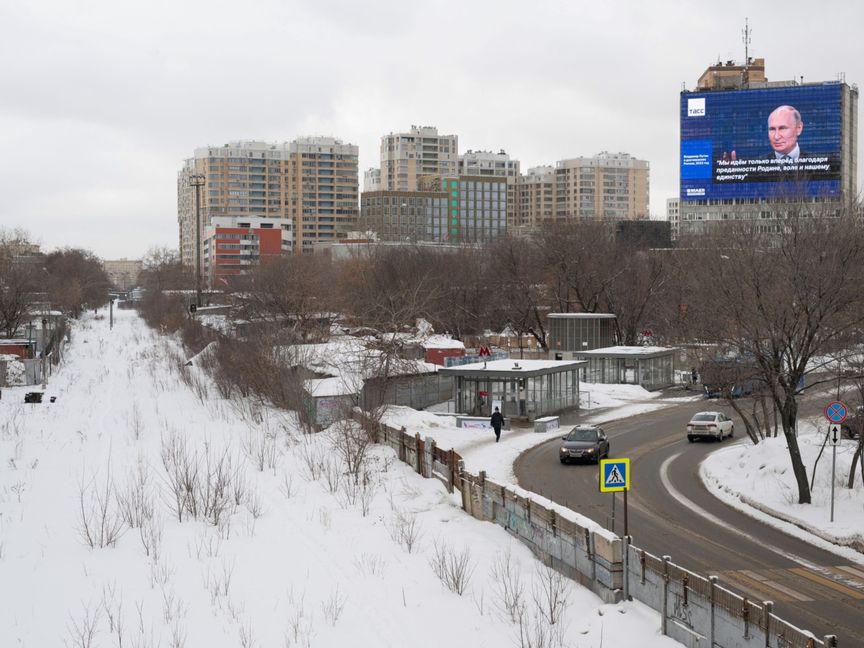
607	185
536	196
487	163
323	192
405	157
310	185
232	245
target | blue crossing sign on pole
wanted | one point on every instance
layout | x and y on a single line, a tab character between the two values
836	412
614	475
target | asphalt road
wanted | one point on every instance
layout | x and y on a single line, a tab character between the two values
813	589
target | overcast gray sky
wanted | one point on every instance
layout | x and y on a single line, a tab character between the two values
102	100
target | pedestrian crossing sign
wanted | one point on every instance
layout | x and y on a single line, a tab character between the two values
614	475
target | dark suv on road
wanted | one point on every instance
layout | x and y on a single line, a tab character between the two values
584	443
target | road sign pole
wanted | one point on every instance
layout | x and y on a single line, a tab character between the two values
626	530
833	467
613	513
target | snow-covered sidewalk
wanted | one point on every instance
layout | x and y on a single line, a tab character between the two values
294	553
758	480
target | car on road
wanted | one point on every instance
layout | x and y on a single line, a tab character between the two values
584	443
710	425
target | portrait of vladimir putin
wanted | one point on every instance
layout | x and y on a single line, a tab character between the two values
784	128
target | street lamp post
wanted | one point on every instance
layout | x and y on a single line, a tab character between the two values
197	181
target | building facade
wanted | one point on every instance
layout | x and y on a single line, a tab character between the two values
372	179
232	246
405	215
488	164
478	208
673	215
122	273
733	168
536	192
607	185
323	190
309	184
406	157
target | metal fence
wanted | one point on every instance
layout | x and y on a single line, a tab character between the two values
694	610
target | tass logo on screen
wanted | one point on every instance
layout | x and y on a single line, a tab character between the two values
696	107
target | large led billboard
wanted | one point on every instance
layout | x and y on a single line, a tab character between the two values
762	143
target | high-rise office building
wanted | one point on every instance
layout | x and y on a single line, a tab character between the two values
750	147
607	185
311	184
406	157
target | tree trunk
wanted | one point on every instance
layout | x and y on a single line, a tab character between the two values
855	458
788	415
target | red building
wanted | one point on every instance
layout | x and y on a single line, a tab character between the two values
232	245
438	347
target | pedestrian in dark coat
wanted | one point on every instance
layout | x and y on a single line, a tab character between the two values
497	421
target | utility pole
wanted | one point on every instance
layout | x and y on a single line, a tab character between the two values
197	181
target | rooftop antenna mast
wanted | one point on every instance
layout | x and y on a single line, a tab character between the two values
745	38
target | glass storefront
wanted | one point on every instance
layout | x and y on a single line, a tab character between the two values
651	371
527	392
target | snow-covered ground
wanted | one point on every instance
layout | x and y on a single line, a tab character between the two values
759	481
292	553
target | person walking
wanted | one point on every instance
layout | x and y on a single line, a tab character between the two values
497	421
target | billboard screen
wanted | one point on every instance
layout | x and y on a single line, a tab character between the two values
761	143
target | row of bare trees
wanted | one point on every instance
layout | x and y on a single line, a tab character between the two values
68	279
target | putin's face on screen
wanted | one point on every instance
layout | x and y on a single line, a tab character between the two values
784	127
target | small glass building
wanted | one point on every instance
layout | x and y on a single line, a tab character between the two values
649	367
525	389
570	333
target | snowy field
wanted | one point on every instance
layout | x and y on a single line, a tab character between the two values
141	509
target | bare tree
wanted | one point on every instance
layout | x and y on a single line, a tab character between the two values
76	280
516	279
591	269
20	271
781	295
391	288
291	295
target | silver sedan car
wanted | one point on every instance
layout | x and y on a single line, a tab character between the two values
710	425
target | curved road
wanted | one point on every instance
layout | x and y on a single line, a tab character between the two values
672	513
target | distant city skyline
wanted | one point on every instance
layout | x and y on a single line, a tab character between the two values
103	102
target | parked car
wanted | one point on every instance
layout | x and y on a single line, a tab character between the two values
743	388
710	425
584	442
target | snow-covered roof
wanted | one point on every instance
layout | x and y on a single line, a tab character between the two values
329	387
442	342
511	367
627	351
